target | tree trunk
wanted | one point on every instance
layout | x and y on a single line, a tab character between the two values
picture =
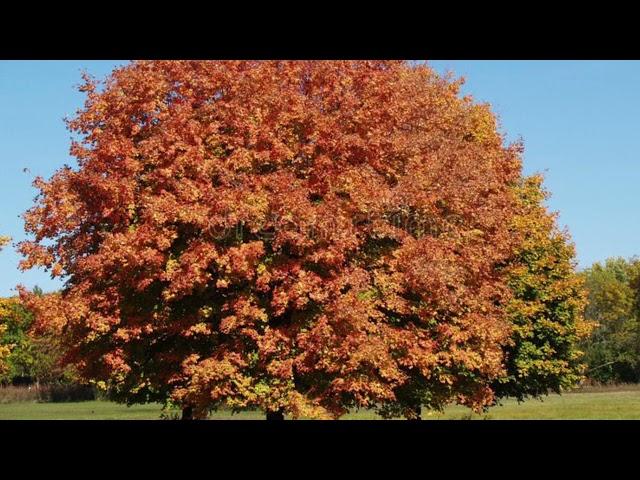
417	409
277	415
187	413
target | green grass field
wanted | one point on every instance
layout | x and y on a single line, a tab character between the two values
608	404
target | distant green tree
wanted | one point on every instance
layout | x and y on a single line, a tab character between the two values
613	349
547	304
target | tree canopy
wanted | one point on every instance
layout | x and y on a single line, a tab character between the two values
547	307
299	237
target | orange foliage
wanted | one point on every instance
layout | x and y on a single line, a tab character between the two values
297	236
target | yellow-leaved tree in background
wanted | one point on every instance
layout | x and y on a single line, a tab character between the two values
4	349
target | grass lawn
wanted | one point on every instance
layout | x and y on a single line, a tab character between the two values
608	404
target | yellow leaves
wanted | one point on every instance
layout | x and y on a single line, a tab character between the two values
168	295
366	295
172	266
5	350
475	233
131	210
483	124
446	379
262	389
220	380
101	384
4	240
7	305
57	270
547	300
299	406
121	334
584	327
552	326
199	329
258	203
98	324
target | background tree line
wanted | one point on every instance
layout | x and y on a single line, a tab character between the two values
612	351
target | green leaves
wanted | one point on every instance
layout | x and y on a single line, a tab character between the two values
546	306
613	350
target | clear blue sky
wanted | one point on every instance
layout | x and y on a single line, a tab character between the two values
580	122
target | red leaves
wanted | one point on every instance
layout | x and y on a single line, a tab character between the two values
190	271
241	262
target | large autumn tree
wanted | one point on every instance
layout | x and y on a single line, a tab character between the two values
299	237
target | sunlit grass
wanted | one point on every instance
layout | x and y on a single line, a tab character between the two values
613	404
